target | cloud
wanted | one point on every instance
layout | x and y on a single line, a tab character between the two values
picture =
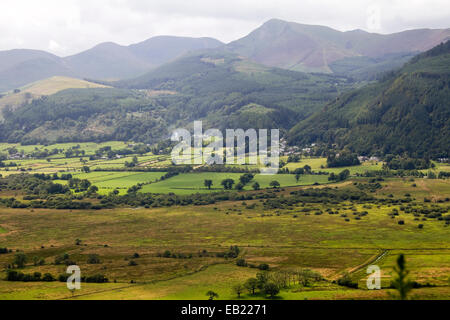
70	26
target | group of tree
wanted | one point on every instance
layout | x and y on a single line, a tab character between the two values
269	284
344	175
343	159
405	163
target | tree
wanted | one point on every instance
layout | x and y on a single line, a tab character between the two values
241	263
38	261
238	290
256	186
208	184
275	184
307	169
86	169
85	184
228	184
271	289
93	189
262	278
401	282
297	177
246	178
212	295
20	259
239	186
344	175
93	259
251	285
305	276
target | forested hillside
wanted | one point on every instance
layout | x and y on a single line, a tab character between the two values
407	112
224	90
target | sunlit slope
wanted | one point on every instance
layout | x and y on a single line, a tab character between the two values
44	88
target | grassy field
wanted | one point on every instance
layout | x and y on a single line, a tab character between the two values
320	164
286	239
294	237
89	147
194	182
122	181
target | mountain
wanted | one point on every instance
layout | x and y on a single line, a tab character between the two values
215	75
20	67
106	61
110	61
287	45
407	112
159	50
222	89
312	48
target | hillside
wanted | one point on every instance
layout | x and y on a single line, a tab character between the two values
21	67
106	61
407	112
311	48
42	88
224	90
215	78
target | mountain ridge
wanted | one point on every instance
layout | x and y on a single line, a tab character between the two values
277	43
105	61
312	48
407	112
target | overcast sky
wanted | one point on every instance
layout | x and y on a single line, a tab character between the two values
66	27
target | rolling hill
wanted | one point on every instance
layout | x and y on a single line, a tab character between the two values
312	48
106	61
223	89
408	112
41	88
21	67
214	75
277	43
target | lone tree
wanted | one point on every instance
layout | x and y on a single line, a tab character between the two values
401	283
256	186
20	260
275	184
208	184
238	290
212	295
297	177
251	285
228	184
93	259
307	169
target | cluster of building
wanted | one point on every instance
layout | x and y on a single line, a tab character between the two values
366	159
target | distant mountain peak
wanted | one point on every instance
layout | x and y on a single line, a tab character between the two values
314	48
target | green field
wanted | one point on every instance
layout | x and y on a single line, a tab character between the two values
194	182
286	239
122	181
298	236
320	164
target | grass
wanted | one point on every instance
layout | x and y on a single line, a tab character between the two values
320	164
89	147
189	183
122	181
286	239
